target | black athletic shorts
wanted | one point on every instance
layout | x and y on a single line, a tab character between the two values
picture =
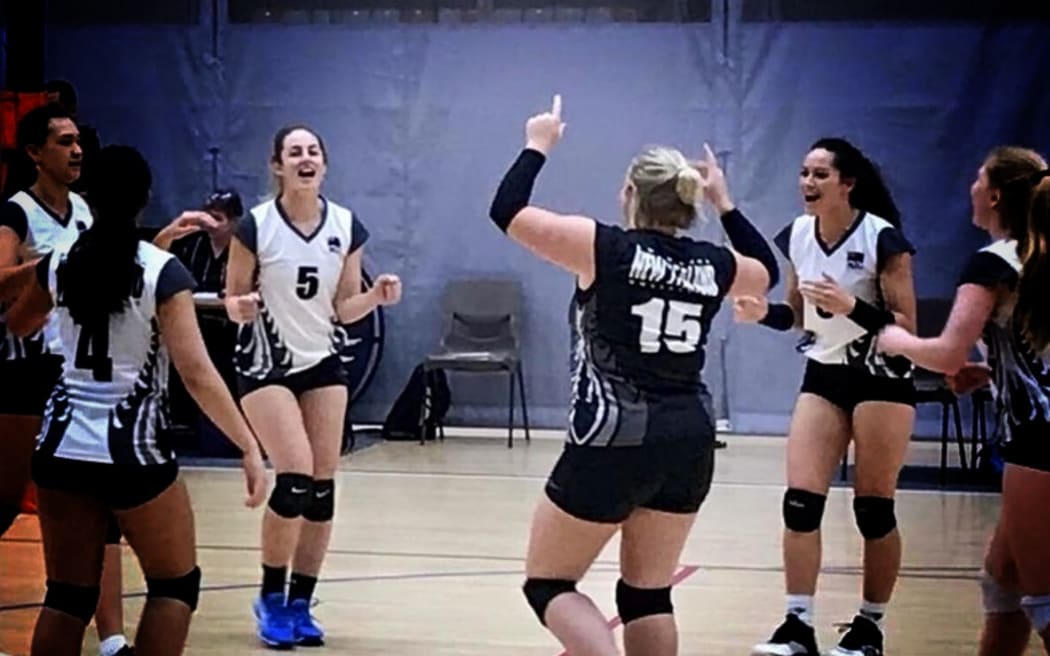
326	373
1029	446
120	487
847	387
26	384
606	484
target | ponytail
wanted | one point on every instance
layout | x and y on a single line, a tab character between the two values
1032	312
100	272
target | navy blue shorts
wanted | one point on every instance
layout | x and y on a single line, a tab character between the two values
326	373
119	487
606	484
847	387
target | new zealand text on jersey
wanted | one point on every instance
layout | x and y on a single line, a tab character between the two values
696	276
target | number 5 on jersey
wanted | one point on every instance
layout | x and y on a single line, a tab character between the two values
307	282
675	324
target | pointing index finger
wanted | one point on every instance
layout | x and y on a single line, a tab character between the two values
556	106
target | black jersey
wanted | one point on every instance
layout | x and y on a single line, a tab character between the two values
642	327
1020	375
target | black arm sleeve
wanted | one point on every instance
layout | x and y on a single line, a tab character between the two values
748	241
779	317
174	278
514	191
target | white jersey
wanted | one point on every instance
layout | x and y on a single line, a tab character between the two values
297	277
107	405
855	263
41	231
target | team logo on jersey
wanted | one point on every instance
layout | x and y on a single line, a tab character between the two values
855	260
334	245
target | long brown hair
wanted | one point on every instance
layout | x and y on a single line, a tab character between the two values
1032	312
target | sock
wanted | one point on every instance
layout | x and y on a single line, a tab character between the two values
273	580
301	586
874	612
112	645
800	606
8	515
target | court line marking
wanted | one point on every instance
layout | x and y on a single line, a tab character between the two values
543	477
912	571
226	587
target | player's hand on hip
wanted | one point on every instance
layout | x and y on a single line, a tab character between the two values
970	377
543	131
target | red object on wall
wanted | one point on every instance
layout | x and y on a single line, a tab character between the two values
13	106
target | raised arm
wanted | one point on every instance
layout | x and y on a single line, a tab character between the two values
564	240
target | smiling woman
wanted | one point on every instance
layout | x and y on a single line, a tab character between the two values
850	276
294	264
32	223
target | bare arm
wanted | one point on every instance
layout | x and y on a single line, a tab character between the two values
28	302
182	336
949	351
752	277
898	290
9	247
564	240
350	302
241	302
794	297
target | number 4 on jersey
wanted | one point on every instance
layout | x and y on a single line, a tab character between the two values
93	352
675	324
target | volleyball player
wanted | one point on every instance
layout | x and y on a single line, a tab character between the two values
294	267
850	276
1001	298
640	450
119	306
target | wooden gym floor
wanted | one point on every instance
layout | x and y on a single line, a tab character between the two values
426	558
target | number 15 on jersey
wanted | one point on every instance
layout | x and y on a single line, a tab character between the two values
675	324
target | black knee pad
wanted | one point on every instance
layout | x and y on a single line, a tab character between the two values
875	516
8	514
76	600
186	589
322	502
540	593
291	495
803	510
635	603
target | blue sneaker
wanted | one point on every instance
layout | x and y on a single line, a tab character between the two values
308	633
276	627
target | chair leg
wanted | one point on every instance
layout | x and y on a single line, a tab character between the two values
510	420
524	404
980	434
974	414
423	411
959	438
944	441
